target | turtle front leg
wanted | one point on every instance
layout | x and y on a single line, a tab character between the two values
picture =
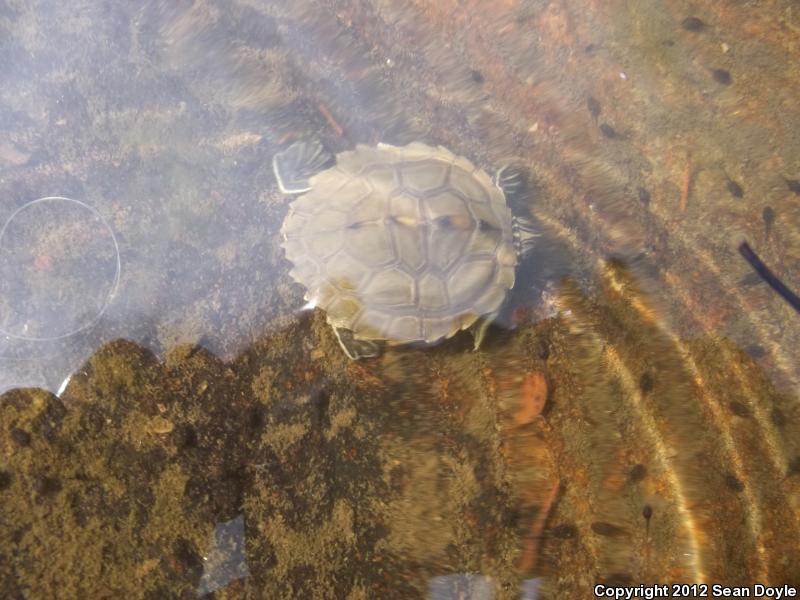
511	179
295	166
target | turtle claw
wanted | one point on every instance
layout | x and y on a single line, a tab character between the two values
295	166
353	348
524	234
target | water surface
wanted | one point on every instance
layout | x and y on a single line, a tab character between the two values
174	425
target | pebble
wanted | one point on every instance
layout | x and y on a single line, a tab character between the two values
161	425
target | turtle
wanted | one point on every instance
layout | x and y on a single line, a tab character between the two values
400	245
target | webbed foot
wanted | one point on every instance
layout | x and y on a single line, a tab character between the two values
512	180
296	165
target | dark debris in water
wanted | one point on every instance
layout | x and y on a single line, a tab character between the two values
793	468
593	106
608	131
647	512
734	483
693	24
638	473
607	529
750	279
793	185
721	76
739	409
778	417
734	188
768	215
564	531
756	350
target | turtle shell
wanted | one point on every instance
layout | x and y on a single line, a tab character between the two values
402	244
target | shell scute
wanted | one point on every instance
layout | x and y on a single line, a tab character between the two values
444	203
382	179
474	186
346	309
322	245
345	272
344	199
432	293
370	209
424	176
370	243
406	328
468	278
390	287
410	244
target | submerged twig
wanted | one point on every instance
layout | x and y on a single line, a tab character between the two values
687	181
330	119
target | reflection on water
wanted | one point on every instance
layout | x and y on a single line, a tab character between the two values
50	297
187	430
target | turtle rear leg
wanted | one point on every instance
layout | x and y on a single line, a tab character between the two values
295	166
353	348
480	328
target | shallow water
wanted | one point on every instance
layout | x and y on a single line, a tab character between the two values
174	424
